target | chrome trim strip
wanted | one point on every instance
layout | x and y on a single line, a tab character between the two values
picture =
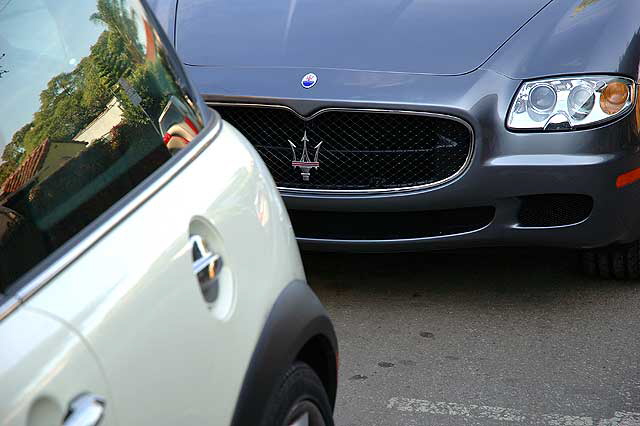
8	306
460	171
203	140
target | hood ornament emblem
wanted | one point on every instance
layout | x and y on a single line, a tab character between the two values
309	80
304	163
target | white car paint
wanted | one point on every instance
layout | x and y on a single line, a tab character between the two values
43	365
130	308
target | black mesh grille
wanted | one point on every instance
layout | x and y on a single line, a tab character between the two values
361	150
554	209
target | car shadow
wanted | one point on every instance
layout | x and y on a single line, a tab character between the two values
532	273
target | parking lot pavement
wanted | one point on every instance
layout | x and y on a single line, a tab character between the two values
483	337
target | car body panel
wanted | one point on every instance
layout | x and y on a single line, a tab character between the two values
172	349
43	366
388	35
574	37
165	13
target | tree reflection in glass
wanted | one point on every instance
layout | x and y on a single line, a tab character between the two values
100	128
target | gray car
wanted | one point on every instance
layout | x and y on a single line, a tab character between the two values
405	125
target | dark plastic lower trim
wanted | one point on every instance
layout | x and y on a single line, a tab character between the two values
295	319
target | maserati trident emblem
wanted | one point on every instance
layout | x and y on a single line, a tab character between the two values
304	163
309	80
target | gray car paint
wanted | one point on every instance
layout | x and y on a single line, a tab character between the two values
565	37
575	37
369	35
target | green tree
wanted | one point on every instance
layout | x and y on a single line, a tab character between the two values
72	100
13	153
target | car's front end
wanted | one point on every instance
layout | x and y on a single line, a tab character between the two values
419	126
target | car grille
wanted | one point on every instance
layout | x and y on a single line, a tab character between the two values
361	150
544	210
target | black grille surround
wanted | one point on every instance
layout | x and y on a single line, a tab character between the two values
362	150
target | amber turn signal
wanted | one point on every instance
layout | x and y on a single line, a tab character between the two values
614	97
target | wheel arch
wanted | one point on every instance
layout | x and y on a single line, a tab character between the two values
318	353
297	329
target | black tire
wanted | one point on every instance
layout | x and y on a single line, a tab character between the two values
621	262
299	391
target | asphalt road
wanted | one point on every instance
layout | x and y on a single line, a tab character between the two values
483	337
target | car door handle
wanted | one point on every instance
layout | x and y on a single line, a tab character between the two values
206	267
85	410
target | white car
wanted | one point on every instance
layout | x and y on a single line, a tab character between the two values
148	271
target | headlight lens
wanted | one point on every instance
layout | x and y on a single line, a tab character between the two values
580	102
570	102
542	98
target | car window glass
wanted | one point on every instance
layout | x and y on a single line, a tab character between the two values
92	104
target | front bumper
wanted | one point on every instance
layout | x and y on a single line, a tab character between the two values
502	183
505	166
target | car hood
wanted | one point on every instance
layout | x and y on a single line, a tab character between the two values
442	37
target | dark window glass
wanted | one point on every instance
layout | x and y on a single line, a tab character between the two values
92	104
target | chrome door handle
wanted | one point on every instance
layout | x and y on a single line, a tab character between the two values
206	267
85	410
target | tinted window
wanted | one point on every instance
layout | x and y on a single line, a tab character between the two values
92	104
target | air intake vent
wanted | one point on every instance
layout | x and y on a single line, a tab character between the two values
554	209
388	225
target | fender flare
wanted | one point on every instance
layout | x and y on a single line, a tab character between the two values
296	318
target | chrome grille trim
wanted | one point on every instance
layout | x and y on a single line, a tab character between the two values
285	189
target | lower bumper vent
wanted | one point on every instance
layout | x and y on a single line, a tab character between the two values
546	210
388	225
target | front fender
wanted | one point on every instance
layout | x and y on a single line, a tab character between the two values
574	37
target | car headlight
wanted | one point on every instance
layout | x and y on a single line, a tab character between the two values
569	103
